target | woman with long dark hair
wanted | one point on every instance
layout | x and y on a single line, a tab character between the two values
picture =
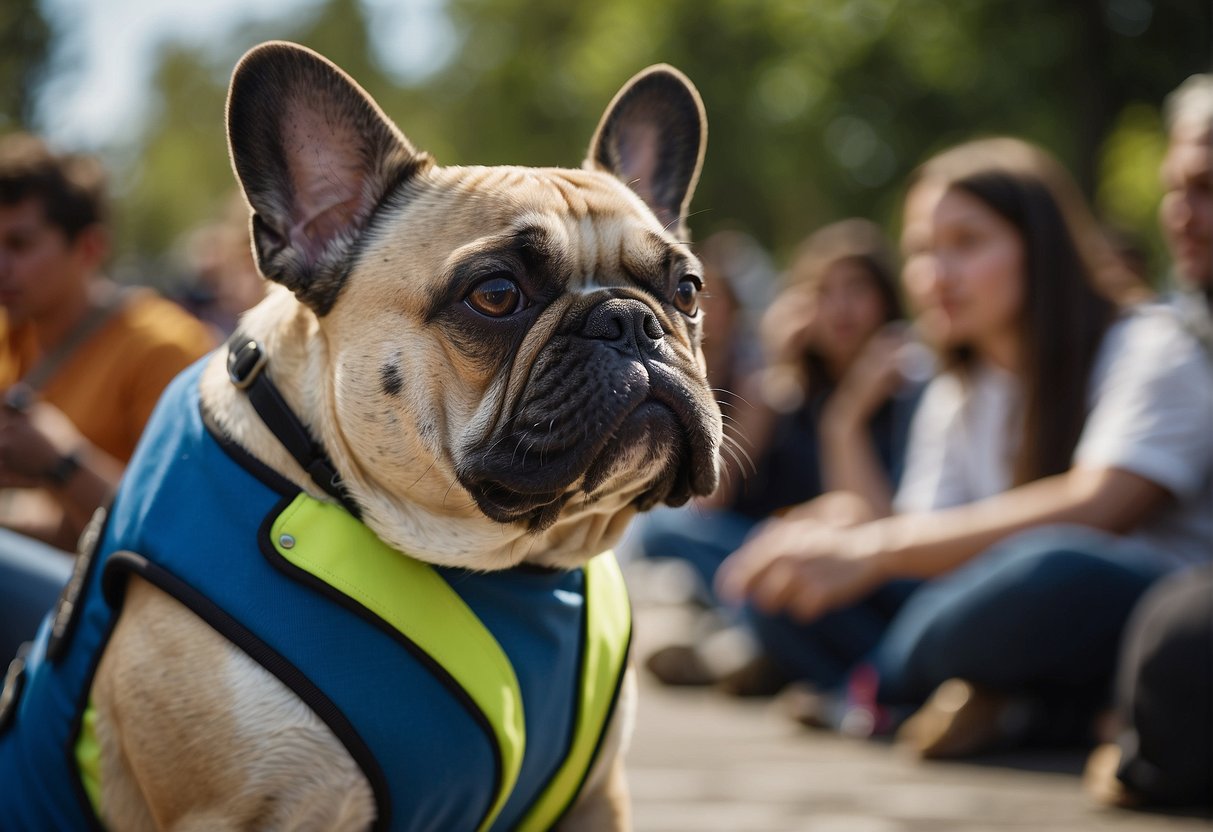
1059	465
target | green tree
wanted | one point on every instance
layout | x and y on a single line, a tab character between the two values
25	40
816	110
819	110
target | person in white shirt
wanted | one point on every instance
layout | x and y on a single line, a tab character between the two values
1186	211
1059	465
1160	748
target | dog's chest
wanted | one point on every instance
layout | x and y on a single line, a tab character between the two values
537	618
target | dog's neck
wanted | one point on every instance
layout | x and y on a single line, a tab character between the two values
453	534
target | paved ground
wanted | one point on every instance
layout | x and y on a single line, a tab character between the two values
703	763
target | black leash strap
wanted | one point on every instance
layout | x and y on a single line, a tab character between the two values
246	365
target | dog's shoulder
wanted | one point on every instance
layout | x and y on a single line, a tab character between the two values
252	753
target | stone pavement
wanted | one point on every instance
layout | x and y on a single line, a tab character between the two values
700	762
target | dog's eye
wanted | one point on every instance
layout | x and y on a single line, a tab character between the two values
497	297
686	296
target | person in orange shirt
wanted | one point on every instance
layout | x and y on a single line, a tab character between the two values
82	360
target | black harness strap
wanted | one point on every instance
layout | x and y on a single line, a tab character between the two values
246	365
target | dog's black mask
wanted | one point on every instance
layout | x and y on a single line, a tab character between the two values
607	389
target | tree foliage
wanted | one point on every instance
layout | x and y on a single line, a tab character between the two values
816	110
25	41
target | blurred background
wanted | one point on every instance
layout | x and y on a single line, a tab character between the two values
817	110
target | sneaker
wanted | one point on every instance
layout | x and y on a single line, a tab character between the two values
961	719
728	658
679	665
813	708
758	677
1100	782
853	711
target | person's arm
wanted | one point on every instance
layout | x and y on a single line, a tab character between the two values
849	461
926	545
40	448
90	486
806	569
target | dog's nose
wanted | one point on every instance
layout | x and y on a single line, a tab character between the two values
626	323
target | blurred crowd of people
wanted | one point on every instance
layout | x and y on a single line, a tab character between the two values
967	500
984	521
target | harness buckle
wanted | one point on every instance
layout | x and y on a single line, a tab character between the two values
245	362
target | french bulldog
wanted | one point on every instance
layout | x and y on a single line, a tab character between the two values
501	366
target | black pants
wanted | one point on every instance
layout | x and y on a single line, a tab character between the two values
1165	690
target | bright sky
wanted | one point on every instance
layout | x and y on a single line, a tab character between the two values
115	43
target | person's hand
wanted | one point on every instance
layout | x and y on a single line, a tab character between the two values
32	443
873	377
787	330
837	509
803	568
788	327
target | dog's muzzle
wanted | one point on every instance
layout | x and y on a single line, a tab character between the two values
610	405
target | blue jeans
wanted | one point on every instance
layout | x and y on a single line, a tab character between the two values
827	650
1040	614
700	537
31	576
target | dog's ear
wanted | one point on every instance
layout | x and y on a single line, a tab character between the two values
652	136
315	156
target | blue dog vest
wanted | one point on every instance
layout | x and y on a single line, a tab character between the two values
481	710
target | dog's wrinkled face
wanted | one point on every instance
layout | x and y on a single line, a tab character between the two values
509	348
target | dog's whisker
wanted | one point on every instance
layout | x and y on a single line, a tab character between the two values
514	453
529	447
498	441
737	465
739	441
727	473
735	447
678	220
428	468
734	395
454	482
727	455
736	438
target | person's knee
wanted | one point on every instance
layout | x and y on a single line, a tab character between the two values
1019	616
803	652
1041	585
